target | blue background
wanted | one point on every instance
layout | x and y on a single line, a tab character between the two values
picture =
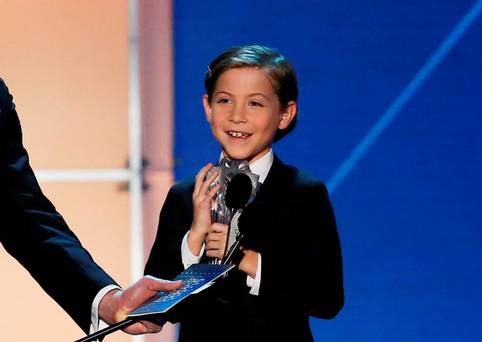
408	208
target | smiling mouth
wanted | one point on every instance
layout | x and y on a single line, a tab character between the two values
238	135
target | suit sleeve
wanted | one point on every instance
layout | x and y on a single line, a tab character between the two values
35	234
165	260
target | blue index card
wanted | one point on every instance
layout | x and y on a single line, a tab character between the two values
195	278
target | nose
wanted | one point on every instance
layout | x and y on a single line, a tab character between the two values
238	114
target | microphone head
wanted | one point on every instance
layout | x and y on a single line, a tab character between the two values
238	191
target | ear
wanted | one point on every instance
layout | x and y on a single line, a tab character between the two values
288	115
207	108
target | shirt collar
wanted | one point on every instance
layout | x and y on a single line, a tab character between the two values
260	166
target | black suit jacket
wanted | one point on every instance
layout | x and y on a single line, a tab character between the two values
35	234
291	223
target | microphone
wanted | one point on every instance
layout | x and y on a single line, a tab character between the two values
238	188
238	192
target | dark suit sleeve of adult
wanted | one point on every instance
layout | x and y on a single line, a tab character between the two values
35	234
302	266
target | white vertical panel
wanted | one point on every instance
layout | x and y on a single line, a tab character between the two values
135	151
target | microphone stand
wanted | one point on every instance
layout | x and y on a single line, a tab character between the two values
110	329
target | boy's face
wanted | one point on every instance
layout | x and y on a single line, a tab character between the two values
245	113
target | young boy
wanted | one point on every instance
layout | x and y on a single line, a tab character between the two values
290	267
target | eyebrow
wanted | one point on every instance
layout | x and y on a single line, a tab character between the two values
252	94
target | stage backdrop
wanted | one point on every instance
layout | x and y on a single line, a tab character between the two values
391	119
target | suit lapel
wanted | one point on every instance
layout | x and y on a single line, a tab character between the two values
258	218
272	187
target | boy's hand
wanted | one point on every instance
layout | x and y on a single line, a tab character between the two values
216	240
201	201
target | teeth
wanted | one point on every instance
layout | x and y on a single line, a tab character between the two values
237	134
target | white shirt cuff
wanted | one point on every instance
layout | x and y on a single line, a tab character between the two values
254	283
188	258
95	323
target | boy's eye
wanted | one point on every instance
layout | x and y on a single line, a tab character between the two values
223	100
255	104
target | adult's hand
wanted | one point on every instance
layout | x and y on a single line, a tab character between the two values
116	304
